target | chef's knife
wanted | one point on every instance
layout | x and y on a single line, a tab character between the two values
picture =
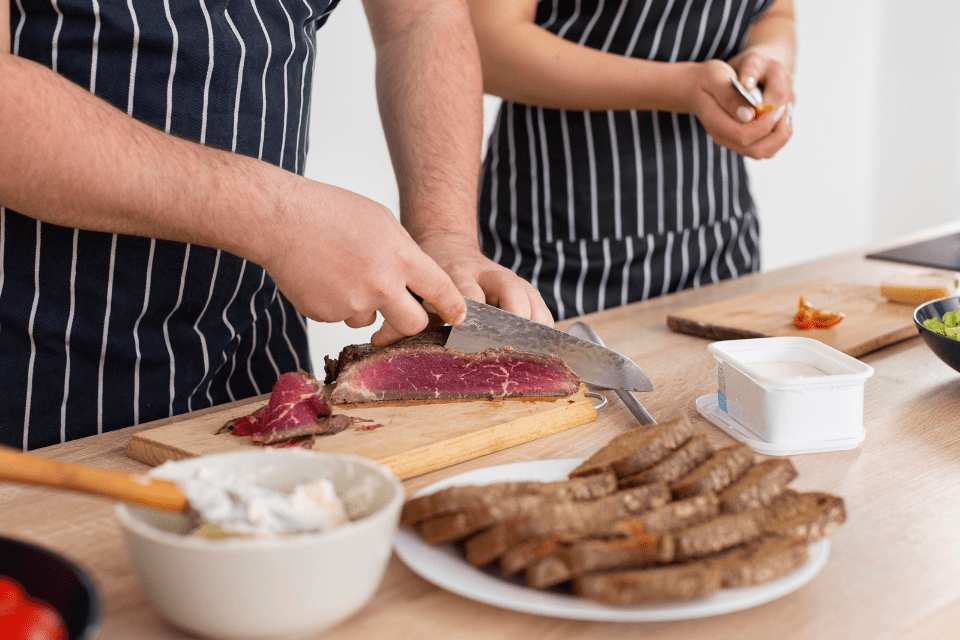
488	327
584	330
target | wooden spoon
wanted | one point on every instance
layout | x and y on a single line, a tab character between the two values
139	488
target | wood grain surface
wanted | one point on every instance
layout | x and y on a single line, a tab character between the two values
411	439
871	321
893	566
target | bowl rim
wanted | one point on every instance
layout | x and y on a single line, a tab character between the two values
95	609
389	510
924	330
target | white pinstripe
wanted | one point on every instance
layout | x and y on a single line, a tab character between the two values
173	63
166	326
286	93
253	334
667	264
136	332
133	56
625	279
33	344
584	263
304	103
96	47
534	197
106	331
561	311
647	258
19	29
494	190
512	188
55	45
203	339
263	79
206	82
607	265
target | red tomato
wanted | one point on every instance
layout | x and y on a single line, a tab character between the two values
11	596
33	621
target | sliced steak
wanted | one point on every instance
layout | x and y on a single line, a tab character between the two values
421	368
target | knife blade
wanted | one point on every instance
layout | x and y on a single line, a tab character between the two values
582	329
488	327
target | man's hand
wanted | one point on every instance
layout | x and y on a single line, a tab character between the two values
720	107
341	256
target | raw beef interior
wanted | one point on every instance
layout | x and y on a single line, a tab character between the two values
421	368
298	407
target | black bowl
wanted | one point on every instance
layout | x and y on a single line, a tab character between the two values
947	349
55	580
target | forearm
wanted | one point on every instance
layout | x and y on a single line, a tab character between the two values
774	34
430	96
69	158
525	63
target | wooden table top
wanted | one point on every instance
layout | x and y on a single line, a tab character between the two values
893	567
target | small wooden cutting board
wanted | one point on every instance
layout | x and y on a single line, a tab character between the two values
414	438
872	321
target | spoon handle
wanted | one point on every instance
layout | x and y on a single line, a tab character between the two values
16	466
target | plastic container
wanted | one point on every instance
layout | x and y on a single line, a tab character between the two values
795	394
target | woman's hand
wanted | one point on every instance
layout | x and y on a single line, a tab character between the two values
729	119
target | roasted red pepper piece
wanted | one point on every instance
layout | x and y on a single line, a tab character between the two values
826	319
808	317
804	318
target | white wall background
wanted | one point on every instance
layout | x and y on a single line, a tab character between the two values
875	152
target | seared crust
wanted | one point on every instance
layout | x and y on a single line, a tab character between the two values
758	486
680	514
637	449
720	470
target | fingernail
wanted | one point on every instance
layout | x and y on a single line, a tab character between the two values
750	83
745	113
460	318
779	112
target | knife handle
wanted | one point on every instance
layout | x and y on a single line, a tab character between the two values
584	330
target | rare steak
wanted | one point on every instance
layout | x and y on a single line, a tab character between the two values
421	368
298	407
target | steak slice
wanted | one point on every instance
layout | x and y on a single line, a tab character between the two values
421	368
298	407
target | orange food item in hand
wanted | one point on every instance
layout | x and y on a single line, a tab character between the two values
763	107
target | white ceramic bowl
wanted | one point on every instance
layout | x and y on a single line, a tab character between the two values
258	588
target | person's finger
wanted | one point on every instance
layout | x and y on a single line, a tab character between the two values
402	316
436	288
361	320
539	311
385	335
750	71
769	145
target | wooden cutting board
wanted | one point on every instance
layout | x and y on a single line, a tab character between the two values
871	323
414	439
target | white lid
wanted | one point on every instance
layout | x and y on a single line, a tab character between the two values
710	409
840	368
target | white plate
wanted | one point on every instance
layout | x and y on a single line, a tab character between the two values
446	567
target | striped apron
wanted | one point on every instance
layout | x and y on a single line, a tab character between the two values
602	208
100	331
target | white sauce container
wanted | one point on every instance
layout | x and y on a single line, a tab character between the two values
791	390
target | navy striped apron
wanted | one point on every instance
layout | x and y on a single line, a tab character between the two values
602	208
100	331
